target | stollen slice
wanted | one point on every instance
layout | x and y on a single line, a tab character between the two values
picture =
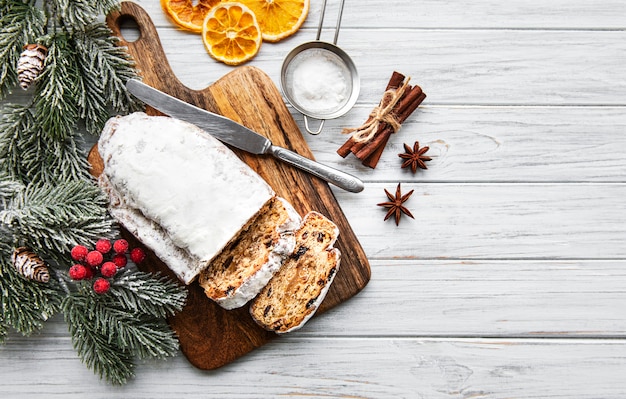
246	265
295	292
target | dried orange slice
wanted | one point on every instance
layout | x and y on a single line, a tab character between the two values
188	14
278	18
231	33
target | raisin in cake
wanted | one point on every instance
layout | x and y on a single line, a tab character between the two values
246	265
295	292
180	191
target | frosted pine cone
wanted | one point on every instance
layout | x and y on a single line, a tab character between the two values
30	265
30	64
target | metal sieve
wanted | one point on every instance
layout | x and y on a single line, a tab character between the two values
292	77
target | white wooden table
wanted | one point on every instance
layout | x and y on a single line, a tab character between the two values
511	282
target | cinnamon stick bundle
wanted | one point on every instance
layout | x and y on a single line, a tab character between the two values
370	150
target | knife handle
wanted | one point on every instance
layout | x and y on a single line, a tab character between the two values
331	175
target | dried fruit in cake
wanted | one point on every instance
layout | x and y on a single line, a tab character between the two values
188	14
231	33
278	19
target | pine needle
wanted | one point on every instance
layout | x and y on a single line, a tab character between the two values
106	360
27	154
8	188
148	294
16	124
55	217
130	318
56	110
105	67
76	12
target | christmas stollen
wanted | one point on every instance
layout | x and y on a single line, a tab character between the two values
189	198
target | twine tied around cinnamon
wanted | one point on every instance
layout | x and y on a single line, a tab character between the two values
382	113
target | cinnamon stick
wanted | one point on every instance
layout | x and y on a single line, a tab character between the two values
372	159
345	149
405	109
349	146
369	152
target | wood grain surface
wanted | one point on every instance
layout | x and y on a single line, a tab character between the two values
209	335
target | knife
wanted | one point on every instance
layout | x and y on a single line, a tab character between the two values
237	135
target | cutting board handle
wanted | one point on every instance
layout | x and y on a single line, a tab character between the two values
147	50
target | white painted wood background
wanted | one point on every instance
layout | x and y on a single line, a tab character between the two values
510	283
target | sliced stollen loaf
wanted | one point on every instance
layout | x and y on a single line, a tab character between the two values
295	292
246	265
180	191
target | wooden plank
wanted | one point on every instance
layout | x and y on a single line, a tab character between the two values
493	221
512	67
478	144
503	298
468	14
363	368
486	298
491	144
516	14
523	63
494	144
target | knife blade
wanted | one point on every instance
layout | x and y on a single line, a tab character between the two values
237	135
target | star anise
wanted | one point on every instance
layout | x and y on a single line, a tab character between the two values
395	206
414	157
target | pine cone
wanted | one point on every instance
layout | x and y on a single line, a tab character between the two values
30	265
30	64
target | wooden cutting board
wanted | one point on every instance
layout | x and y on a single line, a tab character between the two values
210	336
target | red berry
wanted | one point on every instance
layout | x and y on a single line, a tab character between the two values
120	260
79	252
120	246
94	258
108	269
137	255
103	246
90	272
78	272
101	285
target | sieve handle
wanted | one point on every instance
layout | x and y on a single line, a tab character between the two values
319	27
338	21
308	129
